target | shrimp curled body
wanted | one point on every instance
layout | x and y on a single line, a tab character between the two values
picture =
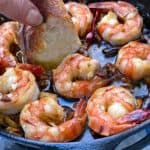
8	32
113	111
35	128
75	76
134	60
81	17
17	88
110	28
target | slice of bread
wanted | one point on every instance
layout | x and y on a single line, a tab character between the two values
50	42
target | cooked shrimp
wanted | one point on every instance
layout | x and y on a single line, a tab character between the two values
114	31
113	111
8	32
17	88
75	76
81	17
54	129
134	60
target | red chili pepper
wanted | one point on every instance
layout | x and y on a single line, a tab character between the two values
91	35
37	70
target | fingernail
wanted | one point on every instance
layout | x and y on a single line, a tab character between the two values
34	18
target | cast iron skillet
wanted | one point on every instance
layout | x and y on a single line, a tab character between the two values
86	141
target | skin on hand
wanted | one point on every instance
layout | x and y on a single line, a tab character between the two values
23	11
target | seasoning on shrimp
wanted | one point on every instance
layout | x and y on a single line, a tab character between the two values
76	77
114	111
134	60
118	31
81	17
55	130
17	87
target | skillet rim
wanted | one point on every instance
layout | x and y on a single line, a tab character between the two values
120	137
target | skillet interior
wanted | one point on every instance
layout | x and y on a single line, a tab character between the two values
87	140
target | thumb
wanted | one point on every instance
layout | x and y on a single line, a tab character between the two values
23	11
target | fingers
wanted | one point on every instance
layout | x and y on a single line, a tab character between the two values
21	10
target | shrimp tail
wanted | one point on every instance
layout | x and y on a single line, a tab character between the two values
81	108
120	128
99	82
105	82
74	127
136	116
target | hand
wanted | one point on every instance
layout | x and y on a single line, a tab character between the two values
23	11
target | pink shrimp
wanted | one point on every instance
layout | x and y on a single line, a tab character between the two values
8	32
56	130
118	31
81	17
76	76
112	110
133	60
